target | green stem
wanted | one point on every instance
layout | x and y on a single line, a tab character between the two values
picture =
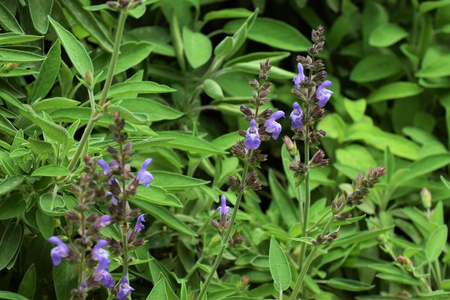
308	262
125	222
193	269
106	87
227	233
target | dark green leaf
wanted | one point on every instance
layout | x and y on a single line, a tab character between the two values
436	243
39	10
279	266
10	183
10	55
15	38
12	207
145	87
11	240
12	296
27	287
174	181
51	171
64	280
8	21
349	285
187	142
376	67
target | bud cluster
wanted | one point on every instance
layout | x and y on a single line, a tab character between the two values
361	185
124	4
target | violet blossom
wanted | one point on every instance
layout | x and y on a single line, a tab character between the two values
223	208
101	255
252	139
322	94
296	116
59	252
124	289
300	77
139	226
143	175
104	165
104	277
272	126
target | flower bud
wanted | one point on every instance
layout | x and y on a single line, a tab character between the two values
425	195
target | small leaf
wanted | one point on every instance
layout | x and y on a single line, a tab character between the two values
64	280
154	109
187	142
230	13
53	103
399	278
163	215
51	171
393	91
76	52
12	207
52	206
158	196
158	292
10	183
144	87
436	243
197	46
10	295
8	21
45	224
279	266
174	181
10	55
11	240
9	38
212	89
386	35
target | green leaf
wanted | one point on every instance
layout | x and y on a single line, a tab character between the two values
274	33
64	280
230	13
426	6
356	238
10	183
282	200
45	224
163	215
131	54
446	182
76	52
52	207
279	266
393	91
158	196
212	89
434	63
399	278
349	285
134	118
8	21
10	295
174	181
11	240
197	46
9	38
48	72
27	287
18	56
355	108
87	20
436	243
154	109
51	171
39	10
426	166
187	142
12	207
254	67
158	292
376	67
53	103
386	35
144	87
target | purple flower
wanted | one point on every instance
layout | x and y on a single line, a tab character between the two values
102	222
252	140
101	255
296	116
298	79
323	94
272	126
143	175
139	226
124	289
224	209
104	165
59	252
104	277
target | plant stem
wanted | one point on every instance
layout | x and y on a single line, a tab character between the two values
106	87
227	233
308	262
125	222
192	270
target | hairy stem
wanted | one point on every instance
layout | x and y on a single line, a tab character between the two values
227	233
308	262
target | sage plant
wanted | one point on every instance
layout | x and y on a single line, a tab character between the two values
262	124
312	90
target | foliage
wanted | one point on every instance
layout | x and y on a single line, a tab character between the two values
178	75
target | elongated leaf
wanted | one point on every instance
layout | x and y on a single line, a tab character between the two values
164	216
11	296
10	183
48	72
436	243
87	20
27	287
402	279
12	207
174	181
426	165
158	196
376	67
187	142
279	266
131	54
51	171
158	292
76	52
229	13
64	280
357	238
54	103
349	285
45	224
283	201
155	110
386	35
10	55
127	89
274	33
11	240
393	91
197	46
8	21
39	10
15	38
253	67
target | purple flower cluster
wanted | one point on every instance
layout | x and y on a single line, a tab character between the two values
101	272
